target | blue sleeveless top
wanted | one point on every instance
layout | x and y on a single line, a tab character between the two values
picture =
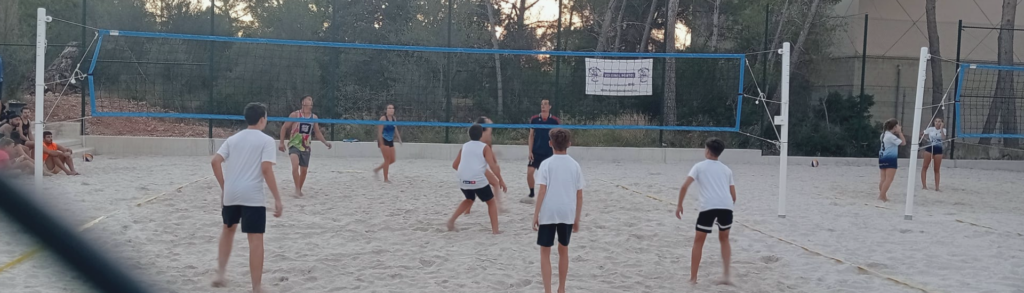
389	130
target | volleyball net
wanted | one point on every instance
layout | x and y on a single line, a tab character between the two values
213	77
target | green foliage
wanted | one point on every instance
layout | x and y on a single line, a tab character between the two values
836	126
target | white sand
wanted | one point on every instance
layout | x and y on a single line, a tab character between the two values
351	233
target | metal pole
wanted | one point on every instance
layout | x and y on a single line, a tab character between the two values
82	88
448	73
41	20
956	89
558	59
764	63
922	73
783	120
209	70
864	57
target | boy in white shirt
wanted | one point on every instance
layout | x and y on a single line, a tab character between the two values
471	166
248	159
717	196
559	204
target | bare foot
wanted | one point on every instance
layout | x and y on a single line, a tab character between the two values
451	226
937	190
219	282
387	181
496	232
693	282
726	282
883	198
298	194
924	188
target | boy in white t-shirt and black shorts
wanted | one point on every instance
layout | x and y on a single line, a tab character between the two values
717	196
471	166
248	159
559	204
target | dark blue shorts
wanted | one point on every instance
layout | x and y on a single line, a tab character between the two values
934	149
887	163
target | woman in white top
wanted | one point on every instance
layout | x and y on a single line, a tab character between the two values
891	140
933	137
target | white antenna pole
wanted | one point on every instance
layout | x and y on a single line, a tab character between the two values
922	74
41	21
783	120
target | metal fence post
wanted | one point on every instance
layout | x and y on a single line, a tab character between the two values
82	88
209	68
956	89
864	57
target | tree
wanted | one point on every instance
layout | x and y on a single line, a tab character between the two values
497	59
1003	104
935	63
714	26
618	27
669	107
647	27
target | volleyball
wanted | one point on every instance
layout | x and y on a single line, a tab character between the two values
87	157
814	163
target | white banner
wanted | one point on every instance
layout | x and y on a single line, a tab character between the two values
619	77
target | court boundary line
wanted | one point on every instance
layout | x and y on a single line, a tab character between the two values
836	259
25	256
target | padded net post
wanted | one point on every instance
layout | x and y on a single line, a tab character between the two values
922	67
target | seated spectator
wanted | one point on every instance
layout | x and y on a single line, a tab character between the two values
10	158
57	158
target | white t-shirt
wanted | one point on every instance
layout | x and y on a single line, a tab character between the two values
472	166
935	136
562	177
244	153
890	146
714	179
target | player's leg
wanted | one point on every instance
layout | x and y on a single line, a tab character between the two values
924	169
57	163
938	165
254	224
545	267
231	216
887	182
485	195
529	179
293	154
463	206
69	160
724	220
564	231
698	249
390	160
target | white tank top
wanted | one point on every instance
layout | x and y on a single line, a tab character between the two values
472	166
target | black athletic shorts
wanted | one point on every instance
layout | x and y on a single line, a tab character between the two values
537	159
546	234
303	156
388	143
707	219
485	194
253	219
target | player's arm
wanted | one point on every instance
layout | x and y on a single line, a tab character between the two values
320	135
579	210
217	162
682	195
458	160
540	201
529	144
284	131
732	190
398	135
267	167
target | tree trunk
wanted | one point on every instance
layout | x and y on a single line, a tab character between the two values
669	101
936	63
647	27
1002	105
618	27
795	55
58	74
714	27
602	40
497	59
778	31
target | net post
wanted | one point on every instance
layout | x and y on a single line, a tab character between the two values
922	74
40	86
783	120
956	109
81	89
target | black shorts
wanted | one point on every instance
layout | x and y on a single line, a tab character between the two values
485	194
546	234
388	143
934	149
707	219
253	219
537	159
303	156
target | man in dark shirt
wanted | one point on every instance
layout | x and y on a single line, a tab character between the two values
539	139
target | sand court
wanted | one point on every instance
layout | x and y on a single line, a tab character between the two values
351	233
